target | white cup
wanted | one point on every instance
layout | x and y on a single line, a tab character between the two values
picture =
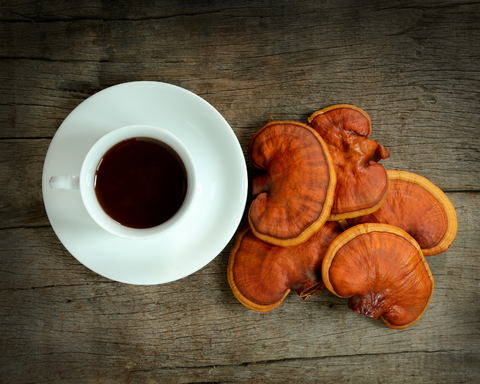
85	182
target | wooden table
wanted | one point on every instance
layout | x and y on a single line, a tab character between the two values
414	66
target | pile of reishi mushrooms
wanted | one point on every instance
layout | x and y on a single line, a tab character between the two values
327	214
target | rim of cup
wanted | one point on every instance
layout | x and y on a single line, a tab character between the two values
88	174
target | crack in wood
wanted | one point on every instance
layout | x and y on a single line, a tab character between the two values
25	227
30	19
56	286
313	358
27	138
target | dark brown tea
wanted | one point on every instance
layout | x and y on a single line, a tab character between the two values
141	182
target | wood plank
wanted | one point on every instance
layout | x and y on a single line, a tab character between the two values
22	167
431	367
58	318
30	10
414	153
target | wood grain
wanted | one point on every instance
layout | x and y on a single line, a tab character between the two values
412	65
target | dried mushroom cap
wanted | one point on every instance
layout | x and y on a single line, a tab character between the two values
381	270
362	183
420	208
261	275
349	117
294	197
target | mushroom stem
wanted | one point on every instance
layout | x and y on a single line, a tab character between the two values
369	305
306	291
261	184
381	153
343	224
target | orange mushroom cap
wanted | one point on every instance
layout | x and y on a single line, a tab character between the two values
295	196
362	183
382	271
261	275
420	208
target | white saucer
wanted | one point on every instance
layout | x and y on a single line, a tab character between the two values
222	183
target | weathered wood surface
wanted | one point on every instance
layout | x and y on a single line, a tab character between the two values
414	66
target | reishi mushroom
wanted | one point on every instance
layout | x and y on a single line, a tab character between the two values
295	195
362	183
323	178
420	208
261	275
381	270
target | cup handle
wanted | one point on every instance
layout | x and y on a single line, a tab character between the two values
65	183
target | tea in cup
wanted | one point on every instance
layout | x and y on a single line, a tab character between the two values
136	182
